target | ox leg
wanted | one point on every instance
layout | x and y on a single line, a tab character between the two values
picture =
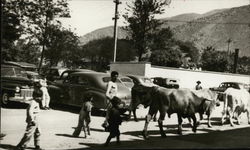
145	130
248	115
231	117
160	122
154	117
194	122
179	124
201	118
135	117
209	120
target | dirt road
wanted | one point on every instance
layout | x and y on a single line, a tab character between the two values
58	125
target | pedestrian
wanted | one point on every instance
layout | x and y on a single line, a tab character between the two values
198	86
84	117
46	97
111	92
33	127
114	121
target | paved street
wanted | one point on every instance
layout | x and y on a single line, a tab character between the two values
58	125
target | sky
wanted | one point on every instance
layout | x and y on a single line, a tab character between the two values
89	15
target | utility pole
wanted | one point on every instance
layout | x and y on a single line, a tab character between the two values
228	55
228	42
117	2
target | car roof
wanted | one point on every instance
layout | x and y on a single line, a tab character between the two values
20	64
232	82
9	66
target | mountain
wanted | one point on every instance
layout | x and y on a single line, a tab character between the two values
179	20
102	33
213	28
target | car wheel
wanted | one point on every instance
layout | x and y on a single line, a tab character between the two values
5	99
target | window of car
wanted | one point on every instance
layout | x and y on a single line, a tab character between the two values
13	72
107	79
82	81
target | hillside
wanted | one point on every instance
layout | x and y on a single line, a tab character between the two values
213	28
102	33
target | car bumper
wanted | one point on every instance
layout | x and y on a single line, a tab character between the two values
24	96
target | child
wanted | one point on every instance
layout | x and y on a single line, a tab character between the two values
32	120
114	120
46	97
84	117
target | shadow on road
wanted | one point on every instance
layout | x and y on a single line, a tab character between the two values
236	138
15	105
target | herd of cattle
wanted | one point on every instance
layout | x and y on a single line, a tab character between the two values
186	103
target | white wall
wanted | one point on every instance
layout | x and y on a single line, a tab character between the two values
187	78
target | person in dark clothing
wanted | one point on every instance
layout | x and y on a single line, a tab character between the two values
114	121
198	86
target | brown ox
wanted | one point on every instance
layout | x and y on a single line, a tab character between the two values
184	102
235	102
138	93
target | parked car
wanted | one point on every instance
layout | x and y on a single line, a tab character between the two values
67	72
224	85
26	66
53	73
16	86
141	80
73	88
126	81
167	82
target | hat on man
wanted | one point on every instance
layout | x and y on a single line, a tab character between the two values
198	82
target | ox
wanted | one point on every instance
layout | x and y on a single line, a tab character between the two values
184	102
235	102
138	93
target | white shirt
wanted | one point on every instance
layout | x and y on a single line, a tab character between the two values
111	90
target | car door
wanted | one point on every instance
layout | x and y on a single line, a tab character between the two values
78	89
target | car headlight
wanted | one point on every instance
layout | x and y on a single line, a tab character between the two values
17	89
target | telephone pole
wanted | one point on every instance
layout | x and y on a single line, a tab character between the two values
117	2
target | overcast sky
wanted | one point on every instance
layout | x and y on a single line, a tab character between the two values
89	15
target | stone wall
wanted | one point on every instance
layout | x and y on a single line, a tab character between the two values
187	78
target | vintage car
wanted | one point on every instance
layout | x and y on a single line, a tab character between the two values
126	81
224	85
67	72
16	86
73	88
167	82
141	80
53	73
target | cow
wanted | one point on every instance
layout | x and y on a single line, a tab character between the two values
236	101
137	94
184	102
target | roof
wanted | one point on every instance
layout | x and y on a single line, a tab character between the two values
20	64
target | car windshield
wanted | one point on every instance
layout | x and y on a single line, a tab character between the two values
146	80
13	72
107	79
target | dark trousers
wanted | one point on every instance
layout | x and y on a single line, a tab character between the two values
114	132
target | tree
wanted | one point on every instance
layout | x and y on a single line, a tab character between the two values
100	52
62	45
40	14
171	57
213	60
140	16
11	27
